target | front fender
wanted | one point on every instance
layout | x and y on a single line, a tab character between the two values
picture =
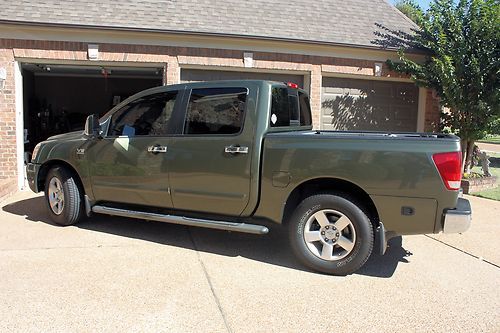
69	153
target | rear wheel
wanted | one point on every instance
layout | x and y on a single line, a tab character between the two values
63	197
330	233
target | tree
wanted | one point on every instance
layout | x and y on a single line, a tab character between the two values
411	9
461	43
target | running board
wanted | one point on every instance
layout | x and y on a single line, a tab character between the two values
222	225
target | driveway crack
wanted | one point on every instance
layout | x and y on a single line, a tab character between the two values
463	251
63	247
207	276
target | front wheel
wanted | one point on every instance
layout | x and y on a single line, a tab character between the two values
331	234
64	198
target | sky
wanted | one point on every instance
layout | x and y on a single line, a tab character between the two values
423	3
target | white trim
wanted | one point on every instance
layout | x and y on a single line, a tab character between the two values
422	96
18	81
320	104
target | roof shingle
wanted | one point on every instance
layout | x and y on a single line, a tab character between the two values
329	21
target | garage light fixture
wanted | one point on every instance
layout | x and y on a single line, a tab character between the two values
3	78
93	52
248	59
377	70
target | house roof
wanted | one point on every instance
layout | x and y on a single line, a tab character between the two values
353	22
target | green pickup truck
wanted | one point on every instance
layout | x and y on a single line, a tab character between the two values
240	155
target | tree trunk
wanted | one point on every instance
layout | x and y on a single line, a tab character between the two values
463	145
468	158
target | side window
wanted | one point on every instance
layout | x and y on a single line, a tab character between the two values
215	111
148	115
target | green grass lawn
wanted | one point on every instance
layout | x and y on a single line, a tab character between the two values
493	193
491	139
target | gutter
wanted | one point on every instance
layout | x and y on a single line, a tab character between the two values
203	34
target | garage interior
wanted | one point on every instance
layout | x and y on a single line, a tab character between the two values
58	98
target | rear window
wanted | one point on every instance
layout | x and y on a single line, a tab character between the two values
289	107
305	109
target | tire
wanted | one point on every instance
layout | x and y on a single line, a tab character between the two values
63	197
330	233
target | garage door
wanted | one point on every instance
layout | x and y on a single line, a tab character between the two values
196	75
353	104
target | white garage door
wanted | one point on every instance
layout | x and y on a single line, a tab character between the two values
368	105
196	75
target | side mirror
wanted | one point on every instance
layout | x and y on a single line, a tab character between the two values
92	126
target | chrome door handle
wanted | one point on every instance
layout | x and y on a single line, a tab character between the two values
236	150
157	149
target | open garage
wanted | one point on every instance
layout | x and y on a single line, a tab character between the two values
58	98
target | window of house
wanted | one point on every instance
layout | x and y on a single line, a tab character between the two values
148	115
215	111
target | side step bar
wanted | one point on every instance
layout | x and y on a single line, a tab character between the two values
222	225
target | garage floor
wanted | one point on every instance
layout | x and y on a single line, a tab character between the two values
115	274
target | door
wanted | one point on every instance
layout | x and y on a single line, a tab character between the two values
355	104
130	164
210	169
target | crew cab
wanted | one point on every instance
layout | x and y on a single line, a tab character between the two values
242	156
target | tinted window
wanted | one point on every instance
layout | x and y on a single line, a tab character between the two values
293	102
289	109
148	115
280	111
305	109
215	111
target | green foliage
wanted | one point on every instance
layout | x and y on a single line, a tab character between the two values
462	62
411	9
494	128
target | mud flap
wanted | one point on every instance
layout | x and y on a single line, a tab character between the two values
380	239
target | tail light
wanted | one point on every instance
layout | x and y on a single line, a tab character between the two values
449	166
292	85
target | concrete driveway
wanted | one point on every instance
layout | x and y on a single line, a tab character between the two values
115	274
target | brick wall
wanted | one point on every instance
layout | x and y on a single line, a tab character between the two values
8	170
176	57
172	58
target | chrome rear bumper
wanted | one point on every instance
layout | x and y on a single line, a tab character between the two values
458	220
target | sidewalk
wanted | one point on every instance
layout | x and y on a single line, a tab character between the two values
489	147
